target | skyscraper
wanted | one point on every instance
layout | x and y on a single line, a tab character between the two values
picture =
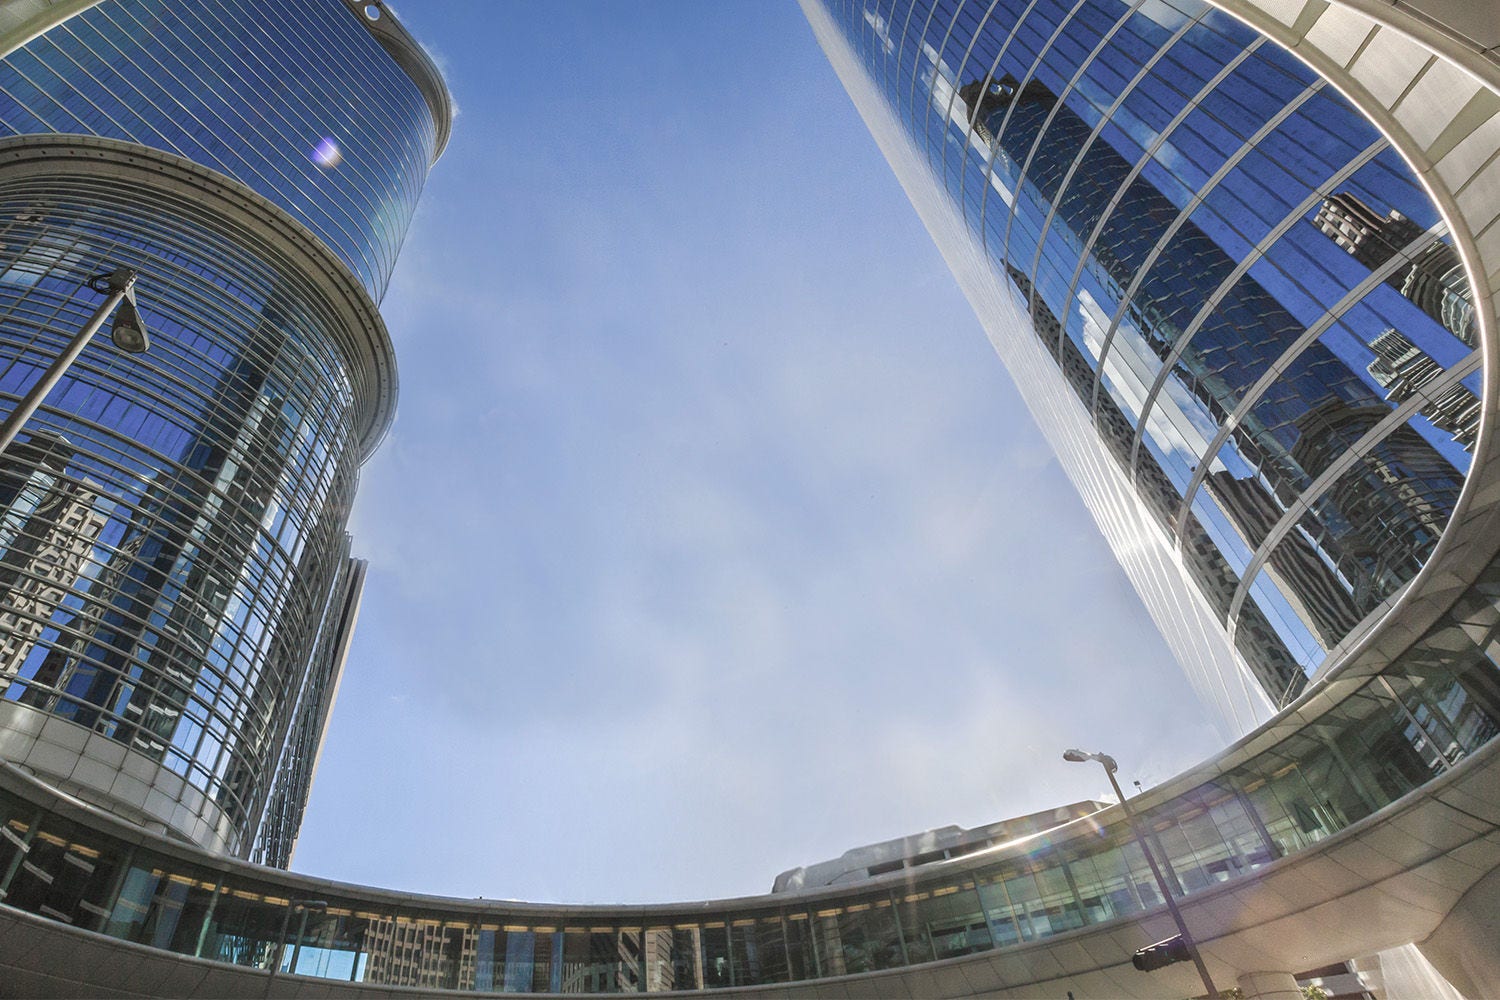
175	579
1229	300
1363	817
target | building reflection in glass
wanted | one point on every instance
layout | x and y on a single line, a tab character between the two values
1246	289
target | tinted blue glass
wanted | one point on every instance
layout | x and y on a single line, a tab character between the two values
1121	201
195	479
345	148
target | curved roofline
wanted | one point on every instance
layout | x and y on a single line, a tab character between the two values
1304	908
367	343
22	22
415	61
1092	830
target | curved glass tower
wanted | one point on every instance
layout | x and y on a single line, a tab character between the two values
174	571
1230	301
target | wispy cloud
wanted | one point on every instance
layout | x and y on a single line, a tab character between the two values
710	539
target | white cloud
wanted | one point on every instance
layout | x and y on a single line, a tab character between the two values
711	539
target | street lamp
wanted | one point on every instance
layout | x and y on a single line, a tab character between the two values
128	333
303	906
1110	767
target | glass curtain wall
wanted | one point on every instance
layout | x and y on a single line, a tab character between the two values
201	489
344	147
1240	281
172	551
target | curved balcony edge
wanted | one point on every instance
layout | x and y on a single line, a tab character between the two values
368	344
1394	877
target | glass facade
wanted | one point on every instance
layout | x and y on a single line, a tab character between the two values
214	474
175	577
1243	286
345	147
1228	271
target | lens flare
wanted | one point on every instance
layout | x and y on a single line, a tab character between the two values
327	154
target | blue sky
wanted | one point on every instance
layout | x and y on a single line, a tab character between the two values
711	538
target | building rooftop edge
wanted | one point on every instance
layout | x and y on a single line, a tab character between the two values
867	861
415	61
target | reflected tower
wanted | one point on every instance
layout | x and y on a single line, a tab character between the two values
50	524
1233	308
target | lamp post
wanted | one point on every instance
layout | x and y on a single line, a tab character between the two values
1108	762
128	334
304	906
